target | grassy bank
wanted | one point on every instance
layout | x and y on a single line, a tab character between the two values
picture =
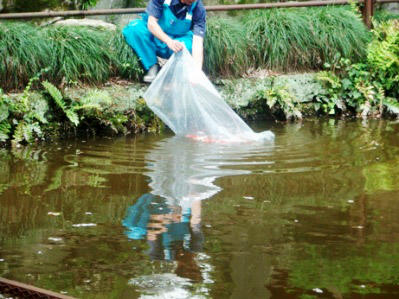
280	39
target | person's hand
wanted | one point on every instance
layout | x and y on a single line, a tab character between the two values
175	45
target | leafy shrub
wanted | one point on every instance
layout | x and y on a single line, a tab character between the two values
5	107
368	88
383	56
279	99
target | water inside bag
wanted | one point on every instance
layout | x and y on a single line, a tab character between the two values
188	103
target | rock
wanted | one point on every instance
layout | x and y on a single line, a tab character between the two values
239	93
119	20
391	7
106	4
86	22
303	87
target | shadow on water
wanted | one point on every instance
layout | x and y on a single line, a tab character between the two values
314	214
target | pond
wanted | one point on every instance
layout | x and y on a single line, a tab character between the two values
314	214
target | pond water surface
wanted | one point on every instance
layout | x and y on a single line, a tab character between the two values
314	214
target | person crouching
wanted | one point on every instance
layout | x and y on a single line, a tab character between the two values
167	27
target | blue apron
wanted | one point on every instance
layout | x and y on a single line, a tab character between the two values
148	47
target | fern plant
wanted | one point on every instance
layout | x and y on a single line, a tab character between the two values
56	95
392	105
26	132
5	129
279	98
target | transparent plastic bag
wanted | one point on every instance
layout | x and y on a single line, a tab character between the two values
187	102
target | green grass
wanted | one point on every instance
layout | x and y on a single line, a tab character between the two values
278	39
72	55
225	48
23	53
78	54
304	38
126	63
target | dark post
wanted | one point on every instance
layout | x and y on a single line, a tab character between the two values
368	12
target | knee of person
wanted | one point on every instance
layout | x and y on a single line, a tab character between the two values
127	31
134	28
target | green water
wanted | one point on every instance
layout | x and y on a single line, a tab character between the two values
315	214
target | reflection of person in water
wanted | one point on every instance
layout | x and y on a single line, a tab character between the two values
172	232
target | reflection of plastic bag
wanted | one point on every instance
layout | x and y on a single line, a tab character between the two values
184	98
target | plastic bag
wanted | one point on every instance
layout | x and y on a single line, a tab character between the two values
187	102
182	171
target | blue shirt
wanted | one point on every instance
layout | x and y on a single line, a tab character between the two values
155	7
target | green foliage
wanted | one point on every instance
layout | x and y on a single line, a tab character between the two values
383	56
40	5
126	64
283	39
95	99
281	97
333	86
32	116
368	88
58	99
338	30
144	119
5	129
85	4
78	54
23	53
382	15
26	132
21	118
292	39
96	106
278	98
304	87
70	54
225	48
392	105
4	113
260	98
